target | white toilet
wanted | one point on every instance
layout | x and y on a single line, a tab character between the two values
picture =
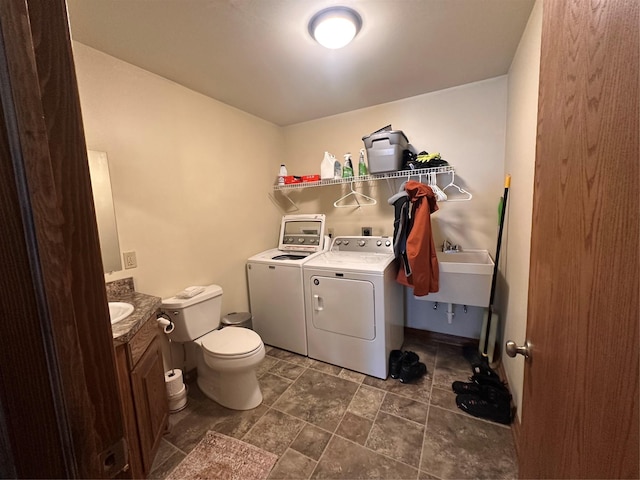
227	358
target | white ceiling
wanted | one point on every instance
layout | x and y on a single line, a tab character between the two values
257	55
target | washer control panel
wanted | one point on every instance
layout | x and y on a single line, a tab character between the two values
362	244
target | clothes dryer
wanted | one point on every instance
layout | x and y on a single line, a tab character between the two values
354	306
275	282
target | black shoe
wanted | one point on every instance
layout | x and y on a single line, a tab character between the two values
487	380
486	392
499	411
411	371
483	369
395	362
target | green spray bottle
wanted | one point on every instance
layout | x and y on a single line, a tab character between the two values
347	169
362	167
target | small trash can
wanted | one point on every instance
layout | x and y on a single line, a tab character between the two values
237	319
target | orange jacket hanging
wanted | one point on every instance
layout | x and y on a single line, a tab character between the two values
420	250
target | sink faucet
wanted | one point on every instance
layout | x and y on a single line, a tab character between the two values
449	247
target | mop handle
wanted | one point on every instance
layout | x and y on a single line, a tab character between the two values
494	278
507	184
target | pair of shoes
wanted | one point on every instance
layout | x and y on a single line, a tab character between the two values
497	411
485	395
405	366
485	392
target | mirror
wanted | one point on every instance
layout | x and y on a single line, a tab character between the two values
105	212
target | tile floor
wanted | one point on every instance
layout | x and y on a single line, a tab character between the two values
327	422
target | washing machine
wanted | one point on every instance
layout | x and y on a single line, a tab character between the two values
275	282
354	306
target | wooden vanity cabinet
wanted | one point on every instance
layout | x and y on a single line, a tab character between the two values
144	399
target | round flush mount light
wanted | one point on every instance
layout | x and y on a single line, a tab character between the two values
335	27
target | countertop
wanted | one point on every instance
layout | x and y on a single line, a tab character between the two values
144	306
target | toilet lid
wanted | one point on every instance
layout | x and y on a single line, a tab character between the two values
231	341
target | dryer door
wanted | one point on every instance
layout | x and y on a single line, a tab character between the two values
343	306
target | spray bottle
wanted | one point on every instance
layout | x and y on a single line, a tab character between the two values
362	167
347	170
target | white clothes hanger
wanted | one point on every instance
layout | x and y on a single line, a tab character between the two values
357	196
461	190
433	183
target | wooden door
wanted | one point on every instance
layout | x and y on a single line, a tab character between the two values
580	400
60	413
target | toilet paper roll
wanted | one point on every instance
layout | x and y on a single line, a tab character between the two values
180	394
173	381
166	325
178	401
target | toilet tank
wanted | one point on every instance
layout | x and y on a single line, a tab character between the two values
195	316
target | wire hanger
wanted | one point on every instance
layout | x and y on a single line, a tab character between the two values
461	190
437	191
356	195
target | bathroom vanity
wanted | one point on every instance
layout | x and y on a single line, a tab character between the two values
140	367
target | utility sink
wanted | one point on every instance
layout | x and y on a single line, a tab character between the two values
118	311
465	278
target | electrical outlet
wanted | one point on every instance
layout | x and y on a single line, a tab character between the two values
367	231
129	260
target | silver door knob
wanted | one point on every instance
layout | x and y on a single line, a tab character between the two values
512	349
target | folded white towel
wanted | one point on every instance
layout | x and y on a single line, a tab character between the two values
190	292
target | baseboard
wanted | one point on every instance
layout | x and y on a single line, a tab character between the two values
440	337
515	424
516	428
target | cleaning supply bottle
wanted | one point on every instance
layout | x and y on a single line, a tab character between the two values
337	169
282	174
347	169
327	166
362	167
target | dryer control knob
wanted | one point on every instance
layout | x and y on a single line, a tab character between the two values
301	240
387	243
379	243
346	242
338	242
362	243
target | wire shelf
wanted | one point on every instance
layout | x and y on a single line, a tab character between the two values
367	178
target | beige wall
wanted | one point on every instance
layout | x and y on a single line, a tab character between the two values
192	177
519	162
189	177
466	125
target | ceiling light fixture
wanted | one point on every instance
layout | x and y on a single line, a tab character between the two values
335	27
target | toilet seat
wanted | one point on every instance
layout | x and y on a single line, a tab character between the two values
231	342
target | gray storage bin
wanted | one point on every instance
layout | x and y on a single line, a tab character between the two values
237	319
385	149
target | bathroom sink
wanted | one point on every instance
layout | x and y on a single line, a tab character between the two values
118	311
465	278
